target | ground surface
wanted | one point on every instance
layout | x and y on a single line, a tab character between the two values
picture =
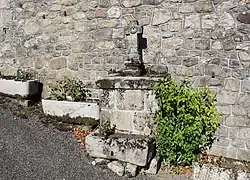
31	151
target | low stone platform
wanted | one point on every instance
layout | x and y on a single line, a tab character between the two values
134	149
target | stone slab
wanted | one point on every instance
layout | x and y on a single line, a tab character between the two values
127	148
23	89
73	109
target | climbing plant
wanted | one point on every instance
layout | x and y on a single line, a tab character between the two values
186	121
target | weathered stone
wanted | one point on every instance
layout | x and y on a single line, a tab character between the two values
202	44
127	148
100	161
161	16
68	2
175	26
244	56
231	84
244	18
226	97
208	21
190	61
114	12
203	6
151	2
31	27
131	3
4	4
130	170
153	167
243	154
226	20
111	23
217	45
237	121
116	167
228	44
101	13
186	8
192	21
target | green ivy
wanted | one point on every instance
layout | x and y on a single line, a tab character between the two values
69	89
186	122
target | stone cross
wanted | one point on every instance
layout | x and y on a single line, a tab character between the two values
134	61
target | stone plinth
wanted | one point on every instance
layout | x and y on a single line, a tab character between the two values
129	103
128	148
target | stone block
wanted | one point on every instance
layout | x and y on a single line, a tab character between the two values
237	121
31	27
192	21
202	44
153	166
4	4
161	16
5	18
114	12
130	3
238	110
243	154
127	148
222	131
186	8
110	23
203	6
73	109
130	170
57	63
116	167
130	100
244	133
100	161
208	21
24	89
226	97
231	84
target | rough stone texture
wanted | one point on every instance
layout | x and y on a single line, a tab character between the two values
190	38
130	170
207	172
117	167
128	148
128	103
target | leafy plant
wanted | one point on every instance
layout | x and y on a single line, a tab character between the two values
105	128
22	75
186	122
69	89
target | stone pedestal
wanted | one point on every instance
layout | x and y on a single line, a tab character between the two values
128	103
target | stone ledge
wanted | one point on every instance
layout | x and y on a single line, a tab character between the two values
128	148
127	83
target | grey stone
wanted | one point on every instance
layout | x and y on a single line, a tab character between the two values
190	61
202	44
153	167
57	63
243	154
161	16
152	2
192	21
100	161
130	170
114	12
127	148
203	6
186	8
228	44
131	3
116	167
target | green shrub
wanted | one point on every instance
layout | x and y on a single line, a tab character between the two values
69	89
186	122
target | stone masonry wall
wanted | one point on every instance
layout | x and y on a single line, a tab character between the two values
207	41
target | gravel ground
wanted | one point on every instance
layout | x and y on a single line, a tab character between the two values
29	150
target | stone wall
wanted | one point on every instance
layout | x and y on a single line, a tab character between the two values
207	41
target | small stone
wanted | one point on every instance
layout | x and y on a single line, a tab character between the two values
131	3
228	44
31	27
116	167
203	6
244	56
114	12
217	45
100	13
244	18
57	63
153	167
161	16
130	170
100	161
68	2
202	44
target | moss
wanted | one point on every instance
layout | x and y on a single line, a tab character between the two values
105	84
